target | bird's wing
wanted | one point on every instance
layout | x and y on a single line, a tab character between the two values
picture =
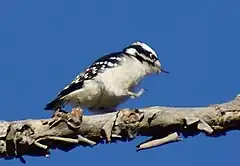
99	66
77	83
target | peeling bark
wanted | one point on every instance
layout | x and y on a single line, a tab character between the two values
164	125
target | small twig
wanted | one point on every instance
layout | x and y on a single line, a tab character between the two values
202	125
80	139
85	140
40	145
174	137
68	140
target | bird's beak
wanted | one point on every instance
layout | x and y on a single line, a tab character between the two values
158	64
164	71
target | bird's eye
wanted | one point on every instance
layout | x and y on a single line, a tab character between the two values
152	56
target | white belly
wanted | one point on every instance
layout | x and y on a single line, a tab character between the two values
119	81
111	100
86	97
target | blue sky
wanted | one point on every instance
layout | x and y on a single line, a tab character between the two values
44	44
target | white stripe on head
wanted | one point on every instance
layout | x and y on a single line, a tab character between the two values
131	51
145	47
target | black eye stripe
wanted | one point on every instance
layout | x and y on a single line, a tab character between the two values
140	49
144	60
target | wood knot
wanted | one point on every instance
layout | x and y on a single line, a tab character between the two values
127	123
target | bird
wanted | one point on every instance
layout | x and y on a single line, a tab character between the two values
110	80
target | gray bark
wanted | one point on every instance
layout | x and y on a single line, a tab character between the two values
67	130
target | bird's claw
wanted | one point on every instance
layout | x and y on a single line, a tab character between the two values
136	95
72	119
77	112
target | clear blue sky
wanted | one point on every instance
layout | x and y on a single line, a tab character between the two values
44	44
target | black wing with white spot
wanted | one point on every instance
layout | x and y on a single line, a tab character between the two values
103	63
99	66
59	101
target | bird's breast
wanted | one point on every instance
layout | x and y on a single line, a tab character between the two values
117	81
124	76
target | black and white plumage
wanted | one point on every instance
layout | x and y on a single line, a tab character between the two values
109	81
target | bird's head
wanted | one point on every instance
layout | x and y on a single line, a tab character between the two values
145	54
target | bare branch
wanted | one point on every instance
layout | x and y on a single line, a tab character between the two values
66	131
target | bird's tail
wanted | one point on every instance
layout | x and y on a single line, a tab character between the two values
55	104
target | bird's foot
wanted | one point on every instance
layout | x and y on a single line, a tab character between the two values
77	111
72	119
136	95
57	111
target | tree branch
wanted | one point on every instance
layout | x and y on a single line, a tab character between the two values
66	131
